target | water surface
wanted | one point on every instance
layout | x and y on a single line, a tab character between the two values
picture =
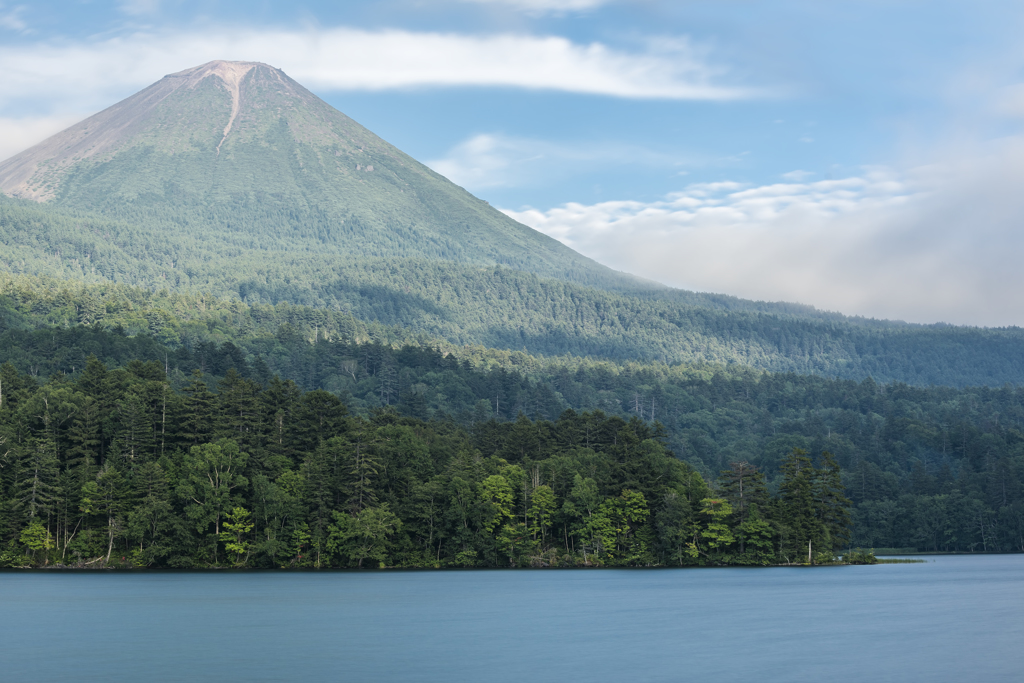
954	618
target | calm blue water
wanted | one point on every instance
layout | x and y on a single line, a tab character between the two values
955	618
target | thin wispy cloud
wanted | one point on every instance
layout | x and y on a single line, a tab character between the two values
937	244
798	176
356	59
11	20
137	8
545	6
495	160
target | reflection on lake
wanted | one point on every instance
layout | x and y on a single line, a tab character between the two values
954	618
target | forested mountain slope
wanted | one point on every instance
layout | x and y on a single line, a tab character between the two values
58	241
508	309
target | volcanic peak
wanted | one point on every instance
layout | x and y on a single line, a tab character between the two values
231	73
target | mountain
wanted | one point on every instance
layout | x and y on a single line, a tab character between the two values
237	154
232	180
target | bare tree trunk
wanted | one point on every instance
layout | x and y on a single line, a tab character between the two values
110	534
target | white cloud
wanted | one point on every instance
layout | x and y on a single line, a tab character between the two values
90	73
496	160
19	134
942	243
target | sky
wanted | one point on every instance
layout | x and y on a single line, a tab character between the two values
863	157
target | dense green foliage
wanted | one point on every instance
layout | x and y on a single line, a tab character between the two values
935	468
116	467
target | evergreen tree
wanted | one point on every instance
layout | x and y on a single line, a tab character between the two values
798	511
84	441
197	408
743	485
135	436
37	479
832	505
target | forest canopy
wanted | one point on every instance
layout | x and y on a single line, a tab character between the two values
927	468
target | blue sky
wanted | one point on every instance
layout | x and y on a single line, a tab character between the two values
858	156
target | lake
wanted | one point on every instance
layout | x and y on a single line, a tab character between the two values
953	618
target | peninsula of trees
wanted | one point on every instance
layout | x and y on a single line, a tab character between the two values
116	468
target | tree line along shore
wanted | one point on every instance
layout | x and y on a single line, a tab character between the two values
117	468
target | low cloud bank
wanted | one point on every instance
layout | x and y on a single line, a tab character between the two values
935	244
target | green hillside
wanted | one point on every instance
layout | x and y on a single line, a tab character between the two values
506	309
